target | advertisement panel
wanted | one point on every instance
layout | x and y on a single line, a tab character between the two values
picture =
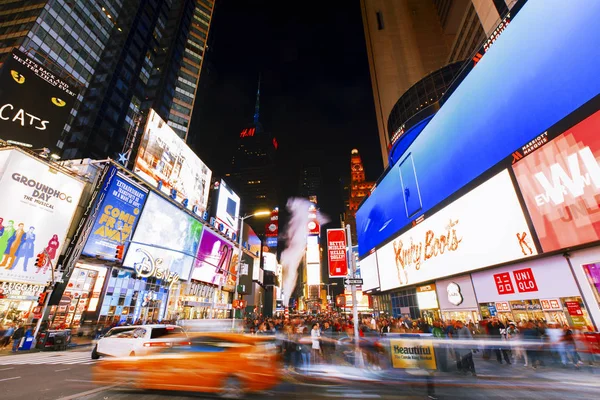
484	227
560	182
166	235
369	272
538	279
36	209
213	259
336	253
313	274
251	241
34	103
313	227
227	208
269	262
164	157
413	354
272	228
313	255
456	293
121	201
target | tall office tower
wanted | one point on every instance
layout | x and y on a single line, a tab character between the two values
311	180
253	166
360	188
420	44
68	37
153	61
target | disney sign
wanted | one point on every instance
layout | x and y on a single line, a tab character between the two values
150	267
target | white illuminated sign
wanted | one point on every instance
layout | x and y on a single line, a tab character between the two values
482	228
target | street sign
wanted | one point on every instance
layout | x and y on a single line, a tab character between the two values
353	281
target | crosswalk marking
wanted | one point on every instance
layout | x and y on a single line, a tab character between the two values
68	358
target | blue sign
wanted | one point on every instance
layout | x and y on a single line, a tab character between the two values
516	92
271	242
492	310
121	203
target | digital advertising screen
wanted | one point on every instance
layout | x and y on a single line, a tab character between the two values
269	262
164	157
484	227
369	272
251	239
560	182
37	206
228	207
121	201
165	233
34	103
213	259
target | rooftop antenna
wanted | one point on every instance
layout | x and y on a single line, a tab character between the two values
257	105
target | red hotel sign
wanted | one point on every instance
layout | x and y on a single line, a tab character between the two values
336	252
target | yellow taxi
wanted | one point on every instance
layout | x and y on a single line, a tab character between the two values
227	364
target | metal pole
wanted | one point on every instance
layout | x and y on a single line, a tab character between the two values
353	288
237	273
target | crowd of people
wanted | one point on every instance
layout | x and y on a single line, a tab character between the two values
14	332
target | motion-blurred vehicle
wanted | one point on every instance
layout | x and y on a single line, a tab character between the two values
139	340
228	364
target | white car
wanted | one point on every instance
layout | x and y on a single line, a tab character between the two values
139	340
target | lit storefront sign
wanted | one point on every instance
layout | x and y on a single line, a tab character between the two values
20	291
484	227
150	267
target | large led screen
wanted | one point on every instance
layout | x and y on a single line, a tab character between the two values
492	112
369	273
165	233
484	227
34	103
228	207
36	209
213	259
561	185
164	157
251	240
121	201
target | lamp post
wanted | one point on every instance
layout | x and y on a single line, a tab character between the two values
239	266
329	284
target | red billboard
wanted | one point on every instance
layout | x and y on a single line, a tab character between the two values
336	253
560	182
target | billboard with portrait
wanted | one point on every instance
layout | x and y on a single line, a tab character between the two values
34	103
36	209
213	259
120	204
164	157
251	240
484	227
165	233
560	181
227	207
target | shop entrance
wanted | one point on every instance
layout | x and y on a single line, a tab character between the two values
148	314
465	316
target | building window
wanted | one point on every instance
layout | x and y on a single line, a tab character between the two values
379	20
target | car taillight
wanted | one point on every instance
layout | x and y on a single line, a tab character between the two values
182	343
157	344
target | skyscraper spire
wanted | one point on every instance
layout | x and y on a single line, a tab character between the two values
257	106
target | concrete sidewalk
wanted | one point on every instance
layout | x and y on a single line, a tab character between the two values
75	342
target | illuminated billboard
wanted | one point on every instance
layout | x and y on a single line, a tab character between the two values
269	262
213	259
164	233
484	227
369	272
34	103
560	182
36	209
165	161
120	204
227	208
313	274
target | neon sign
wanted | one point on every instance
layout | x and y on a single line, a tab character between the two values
149	267
247	132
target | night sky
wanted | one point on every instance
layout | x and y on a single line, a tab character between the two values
316	96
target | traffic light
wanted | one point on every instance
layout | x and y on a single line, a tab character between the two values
42	298
40	260
119	252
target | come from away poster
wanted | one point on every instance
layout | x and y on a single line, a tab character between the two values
121	203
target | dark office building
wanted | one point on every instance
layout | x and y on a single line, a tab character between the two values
253	167
154	61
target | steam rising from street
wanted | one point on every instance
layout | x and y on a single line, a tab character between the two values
295	235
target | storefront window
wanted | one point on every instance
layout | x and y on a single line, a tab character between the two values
405	302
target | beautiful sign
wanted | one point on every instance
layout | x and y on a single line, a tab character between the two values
413	354
336	253
483	227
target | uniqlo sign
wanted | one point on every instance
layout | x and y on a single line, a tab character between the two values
525	281
504	283
336	253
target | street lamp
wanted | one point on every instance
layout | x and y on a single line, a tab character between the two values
329	284
239	266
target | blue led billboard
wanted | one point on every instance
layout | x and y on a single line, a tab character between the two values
540	69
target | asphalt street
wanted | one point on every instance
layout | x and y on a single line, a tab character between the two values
68	376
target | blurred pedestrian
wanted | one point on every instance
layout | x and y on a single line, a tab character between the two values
16	337
464	352
497	332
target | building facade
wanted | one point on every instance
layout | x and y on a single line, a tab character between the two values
409	39
502	230
358	190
